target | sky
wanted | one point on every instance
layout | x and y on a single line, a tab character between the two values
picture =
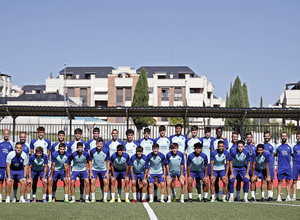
257	40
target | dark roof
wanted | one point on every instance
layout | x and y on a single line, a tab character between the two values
175	70
296	87
101	72
29	88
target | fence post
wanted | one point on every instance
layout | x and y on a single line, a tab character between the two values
14	128
297	124
70	129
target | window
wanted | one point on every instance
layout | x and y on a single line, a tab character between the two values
164	119
100	93
178	94
69	76
83	95
87	76
119	96
37	91
181	76
127	94
161	76
71	92
150	89
119	120
196	90
208	95
164	94
100	103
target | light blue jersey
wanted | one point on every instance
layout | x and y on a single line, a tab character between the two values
220	159
260	160
120	163
60	160
99	159
139	164
147	145
240	159
92	144
180	140
79	161
164	144
112	146
190	144
38	164
197	163
44	143
55	146
175	162
206	142
72	146
17	162
156	163
131	147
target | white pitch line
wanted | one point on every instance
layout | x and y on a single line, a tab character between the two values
151	213
264	203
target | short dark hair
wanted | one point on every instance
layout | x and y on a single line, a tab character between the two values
99	139
219	128
198	145
249	134
260	146
221	142
178	125
298	133
96	129
235	132
120	147
61	132
79	144
241	142
266	132
147	130
77	131
39	149
129	131
62	145
173	145
284	132
155	145
41	128
139	149
114	130
162	128
194	128
19	143
207	129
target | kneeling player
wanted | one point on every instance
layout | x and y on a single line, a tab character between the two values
16	169
219	166
260	169
139	165
175	168
38	167
197	168
119	170
99	167
80	159
59	170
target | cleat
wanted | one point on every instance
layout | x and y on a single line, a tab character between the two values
112	201
236	199
224	200
81	200
262	199
182	200
105	201
212	200
73	201
53	200
270	199
28	200
150	200
144	200
199	199
87	201
279	200
231	200
174	199
14	199
288	199
34	200
205	200
162	201
119	200
66	201
190	200
49	201
133	201
45	201
245	200
169	201
22	201
7	201
252	200
294	199
93	201
155	199
127	201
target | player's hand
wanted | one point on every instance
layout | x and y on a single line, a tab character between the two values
212	178
190	179
205	178
268	178
133	182
9	180
106	175
44	180
91	175
247	176
224	138
225	178
29	181
126	178
182	177
23	180
169	178
164	177
231	176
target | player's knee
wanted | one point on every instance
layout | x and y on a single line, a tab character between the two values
151	185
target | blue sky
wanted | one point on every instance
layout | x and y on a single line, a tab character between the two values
257	40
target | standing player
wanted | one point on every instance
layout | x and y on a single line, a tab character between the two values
219	137
80	160
197	168
219	169
139	169
119	170
163	141
193	140
296	165
38	167
239	166
260	169
5	148
284	171
175	168
99	162
146	142
251	148
270	149
114	142
61	140
157	171
59	170
16	166
92	143
130	145
40	142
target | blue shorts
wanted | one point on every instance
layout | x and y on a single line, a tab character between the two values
137	176
2	173
296	172
174	175
121	175
197	174
272	173
239	172
159	178
100	174
58	175
17	174
208	169
261	174
80	174
282	176
36	174
219	173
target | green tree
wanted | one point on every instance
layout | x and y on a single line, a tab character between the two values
227	100
175	120
261	120
246	121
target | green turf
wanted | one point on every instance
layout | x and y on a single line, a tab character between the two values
172	210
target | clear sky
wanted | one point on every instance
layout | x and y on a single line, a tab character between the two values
257	40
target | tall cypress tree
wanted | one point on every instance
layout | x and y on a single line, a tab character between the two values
227	100
261	105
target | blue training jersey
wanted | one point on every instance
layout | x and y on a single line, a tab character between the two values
26	148
270	149
131	147
5	148
17	162
175	162
139	164
220	159
240	159
206	146
147	145
60	160
284	152
44	143
79	161
180	140
260	160
197	163
164	144
38	164
99	159
296	151
251	148
156	163
190	144
112	146
120	163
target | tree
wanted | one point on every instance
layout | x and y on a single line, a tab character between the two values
227	100
261	120
246	121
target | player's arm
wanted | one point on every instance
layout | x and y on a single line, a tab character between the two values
253	167
205	170
90	165
211	168
48	152
168	169
164	174
227	168
131	172
52	170
112	170
66	170
31	151
146	174
189	170
127	170
25	172
45	173
8	172
268	171
231	169
108	168
29	174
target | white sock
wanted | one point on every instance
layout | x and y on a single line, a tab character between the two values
224	197
205	195
28	195
126	195
66	196
169	197
15	193
134	196
199	195
294	196
73	197
105	196
44	196
0	196
86	196
8	197
119	193
162	197
21	198
288	197
143	196
253	194
155	192
53	194
113	196
190	195
238	194
231	195
33	195
263	194
173	192
93	196
50	197
182	196
213	196
269	194
272	193
151	196
81	196
245	195
279	197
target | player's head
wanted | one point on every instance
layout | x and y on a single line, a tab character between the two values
198	148
174	148
155	148
178	129
96	133
129	135
249	138
99	143
219	132
139	151
5	134
221	145
147	133
260	149
194	130
207	131
114	134
298	137
80	147
235	137
78	134
284	137
41	132
18	147
240	145
22	137
120	149
162	130
61	136
62	148
267	136
39	152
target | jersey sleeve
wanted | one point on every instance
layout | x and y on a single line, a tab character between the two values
155	140
205	159
182	158
147	165
189	159
53	157
167	158
212	156
130	162
71	158
226	144
45	159
9	158
113	157
32	145
31	158
227	154
91	155
49	144
25	157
